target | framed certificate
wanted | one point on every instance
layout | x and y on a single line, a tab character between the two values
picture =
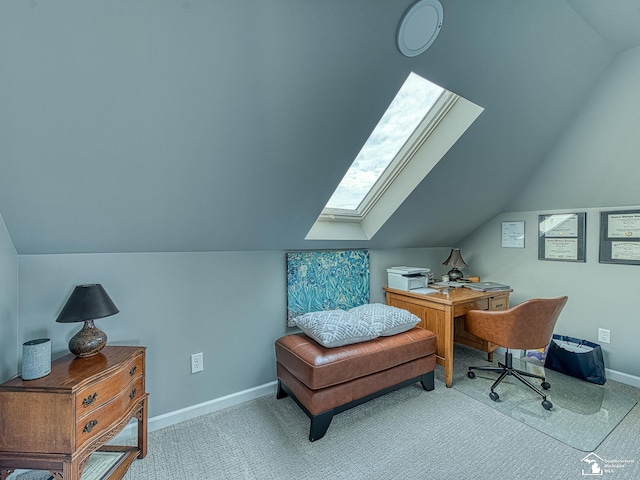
513	234
562	237
620	237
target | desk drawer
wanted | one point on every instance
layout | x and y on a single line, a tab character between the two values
460	310
499	303
92	397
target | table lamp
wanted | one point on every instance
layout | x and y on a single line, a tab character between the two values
455	260
87	303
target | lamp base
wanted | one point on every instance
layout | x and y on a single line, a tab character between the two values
455	274
88	341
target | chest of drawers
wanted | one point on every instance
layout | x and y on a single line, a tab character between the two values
56	422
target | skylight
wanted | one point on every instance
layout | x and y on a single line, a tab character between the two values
419	127
410	106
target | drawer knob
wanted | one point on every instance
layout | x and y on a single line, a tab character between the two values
90	399
499	305
133	393
89	426
133	370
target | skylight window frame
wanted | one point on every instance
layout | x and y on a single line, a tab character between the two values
446	100
427	145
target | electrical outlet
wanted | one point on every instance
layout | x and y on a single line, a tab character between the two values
197	364
604	335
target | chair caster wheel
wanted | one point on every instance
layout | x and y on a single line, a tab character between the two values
471	374
547	404
494	396
545	385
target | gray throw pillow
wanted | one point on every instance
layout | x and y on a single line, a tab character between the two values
390	320
335	328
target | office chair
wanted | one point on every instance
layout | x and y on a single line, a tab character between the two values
526	326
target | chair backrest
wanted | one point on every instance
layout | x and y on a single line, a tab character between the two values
529	325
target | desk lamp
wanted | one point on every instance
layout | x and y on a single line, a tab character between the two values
455	260
87	303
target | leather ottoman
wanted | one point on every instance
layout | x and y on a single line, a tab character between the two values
326	381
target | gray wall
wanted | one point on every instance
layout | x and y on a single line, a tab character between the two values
600	295
8	304
229	305
594	166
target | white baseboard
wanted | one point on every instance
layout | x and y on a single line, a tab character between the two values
622	377
172	418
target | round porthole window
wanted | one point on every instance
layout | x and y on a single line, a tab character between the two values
419	27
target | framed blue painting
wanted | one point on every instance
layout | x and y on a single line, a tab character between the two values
326	280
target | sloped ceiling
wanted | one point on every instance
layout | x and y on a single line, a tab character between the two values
618	22
225	125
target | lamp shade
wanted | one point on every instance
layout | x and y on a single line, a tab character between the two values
455	259
87	302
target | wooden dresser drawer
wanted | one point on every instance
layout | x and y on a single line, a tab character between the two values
105	416
93	396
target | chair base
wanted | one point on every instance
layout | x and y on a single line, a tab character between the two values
508	370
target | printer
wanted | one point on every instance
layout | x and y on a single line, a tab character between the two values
408	278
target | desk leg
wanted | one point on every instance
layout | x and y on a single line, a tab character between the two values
448	348
448	372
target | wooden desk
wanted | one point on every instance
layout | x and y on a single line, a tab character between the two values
443	314
56	422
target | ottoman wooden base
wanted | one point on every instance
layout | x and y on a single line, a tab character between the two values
325	382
